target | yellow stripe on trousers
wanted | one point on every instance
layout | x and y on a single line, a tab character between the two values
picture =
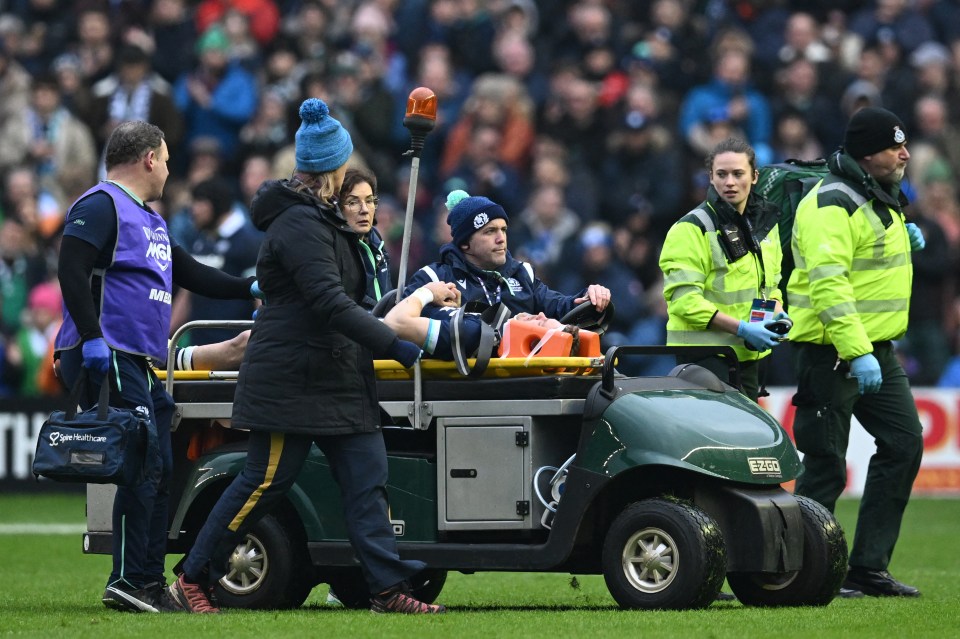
276	449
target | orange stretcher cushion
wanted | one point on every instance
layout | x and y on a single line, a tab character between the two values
520	339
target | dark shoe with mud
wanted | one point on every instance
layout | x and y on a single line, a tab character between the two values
151	598
878	583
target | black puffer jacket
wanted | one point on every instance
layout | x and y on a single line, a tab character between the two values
308	366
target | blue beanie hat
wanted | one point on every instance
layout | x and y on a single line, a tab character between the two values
469	214
322	144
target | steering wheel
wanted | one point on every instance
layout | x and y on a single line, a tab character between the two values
387	301
587	317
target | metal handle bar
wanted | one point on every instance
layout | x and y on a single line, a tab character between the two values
694	352
189	326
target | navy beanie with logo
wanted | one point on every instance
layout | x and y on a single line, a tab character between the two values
322	144
871	130
468	214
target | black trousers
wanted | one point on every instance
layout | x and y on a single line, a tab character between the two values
274	460
825	401
140	517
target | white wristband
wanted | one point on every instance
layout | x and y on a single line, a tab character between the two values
184	361
424	295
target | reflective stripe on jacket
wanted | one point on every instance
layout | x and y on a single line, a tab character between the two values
699	280
852	282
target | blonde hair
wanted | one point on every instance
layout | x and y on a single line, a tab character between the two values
318	184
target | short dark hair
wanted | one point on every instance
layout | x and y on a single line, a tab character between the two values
732	145
130	141
355	176
218	192
131	54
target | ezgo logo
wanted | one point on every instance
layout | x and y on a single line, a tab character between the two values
159	248
764	466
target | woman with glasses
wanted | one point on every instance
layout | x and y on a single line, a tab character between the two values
358	203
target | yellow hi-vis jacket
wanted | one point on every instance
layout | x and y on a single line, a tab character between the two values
853	275
699	279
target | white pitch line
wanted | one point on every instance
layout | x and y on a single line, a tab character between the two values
42	529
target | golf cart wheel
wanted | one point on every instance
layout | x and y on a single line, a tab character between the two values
266	570
818	580
663	554
350	587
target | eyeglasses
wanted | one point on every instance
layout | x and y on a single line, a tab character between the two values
353	203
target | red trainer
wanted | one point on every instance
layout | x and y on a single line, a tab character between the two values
191	597
403	603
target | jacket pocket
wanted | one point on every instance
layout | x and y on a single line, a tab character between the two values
332	368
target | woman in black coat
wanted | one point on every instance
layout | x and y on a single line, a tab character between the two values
307	377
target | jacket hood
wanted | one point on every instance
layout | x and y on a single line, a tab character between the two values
276	196
846	167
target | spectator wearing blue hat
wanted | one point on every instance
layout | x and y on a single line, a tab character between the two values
310	354
478	261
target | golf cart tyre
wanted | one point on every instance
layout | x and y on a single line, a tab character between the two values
351	588
266	569
820	578
663	554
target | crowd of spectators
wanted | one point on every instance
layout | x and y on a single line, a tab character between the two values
588	120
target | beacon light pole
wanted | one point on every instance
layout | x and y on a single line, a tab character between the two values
420	119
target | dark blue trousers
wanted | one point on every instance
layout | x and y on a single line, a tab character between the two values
359	466
140	517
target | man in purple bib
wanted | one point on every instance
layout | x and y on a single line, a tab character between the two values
117	269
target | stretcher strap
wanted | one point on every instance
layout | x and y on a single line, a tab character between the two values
460	356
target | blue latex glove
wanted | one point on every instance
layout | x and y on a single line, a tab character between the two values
407	353
256	292
781	315
756	336
96	355
866	369
916	237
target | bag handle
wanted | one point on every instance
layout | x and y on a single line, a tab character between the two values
103	402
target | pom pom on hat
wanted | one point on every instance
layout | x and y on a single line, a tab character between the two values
454	198
468	214
312	110
322	144
871	130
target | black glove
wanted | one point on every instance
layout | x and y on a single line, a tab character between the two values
407	353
